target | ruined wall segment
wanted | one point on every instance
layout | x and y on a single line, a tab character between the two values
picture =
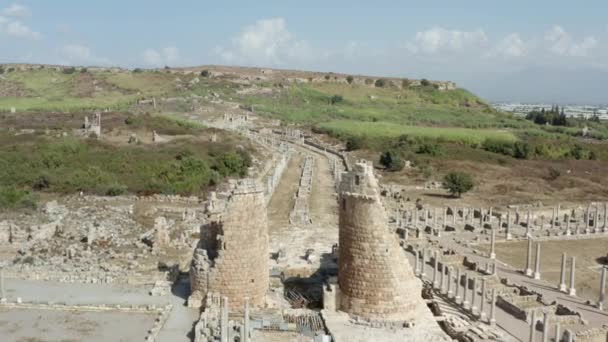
232	256
375	278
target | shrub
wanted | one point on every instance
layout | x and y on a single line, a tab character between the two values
116	190
425	83
84	70
1	70
405	83
41	183
458	183
137	71
577	152
553	174
354	143
391	161
69	71
369	81
350	79
336	99
380	83
521	150
205	73
327	77
429	148
11	197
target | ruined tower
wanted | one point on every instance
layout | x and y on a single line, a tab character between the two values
232	255
375	278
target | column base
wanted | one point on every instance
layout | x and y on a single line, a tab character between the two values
572	292
563	288
536	275
466	304
528	272
492	255
492	321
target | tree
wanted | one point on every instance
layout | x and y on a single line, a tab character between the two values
391	161
205	73
350	79
380	83
458	183
425	83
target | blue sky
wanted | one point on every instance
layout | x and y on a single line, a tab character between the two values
476	43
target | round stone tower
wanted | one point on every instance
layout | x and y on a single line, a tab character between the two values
232	255
376	281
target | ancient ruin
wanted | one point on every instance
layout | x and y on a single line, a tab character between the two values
232	255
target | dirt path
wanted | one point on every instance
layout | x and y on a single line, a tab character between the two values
322	233
282	200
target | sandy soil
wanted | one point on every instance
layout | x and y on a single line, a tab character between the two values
52	325
588	269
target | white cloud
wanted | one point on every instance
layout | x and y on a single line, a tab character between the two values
562	43
268	42
510	46
19	30
11	25
75	54
166	56
438	39
17	11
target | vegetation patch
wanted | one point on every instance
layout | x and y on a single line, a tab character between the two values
71	165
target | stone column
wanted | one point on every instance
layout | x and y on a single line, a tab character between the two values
417	263
545	327
600	303
445	217
442	279
435	214
493	244
480	218
562	275
596	220
528	223
2	293
450	293
416	214
224	320
454	214
474	297
569	336
465	301
568	232
245	331
605	216
553	219
482	314
533	327
587	216
528	270
457	297
509	236
537	263
493	308
557	332
422	272
435	269
572	291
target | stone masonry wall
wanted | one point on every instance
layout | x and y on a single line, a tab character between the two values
232	256
375	278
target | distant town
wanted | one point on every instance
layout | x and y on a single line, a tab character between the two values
579	111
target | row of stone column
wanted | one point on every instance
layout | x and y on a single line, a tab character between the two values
568	335
453	288
224	321
468	218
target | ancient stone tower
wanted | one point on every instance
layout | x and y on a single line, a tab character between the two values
376	281
232	255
